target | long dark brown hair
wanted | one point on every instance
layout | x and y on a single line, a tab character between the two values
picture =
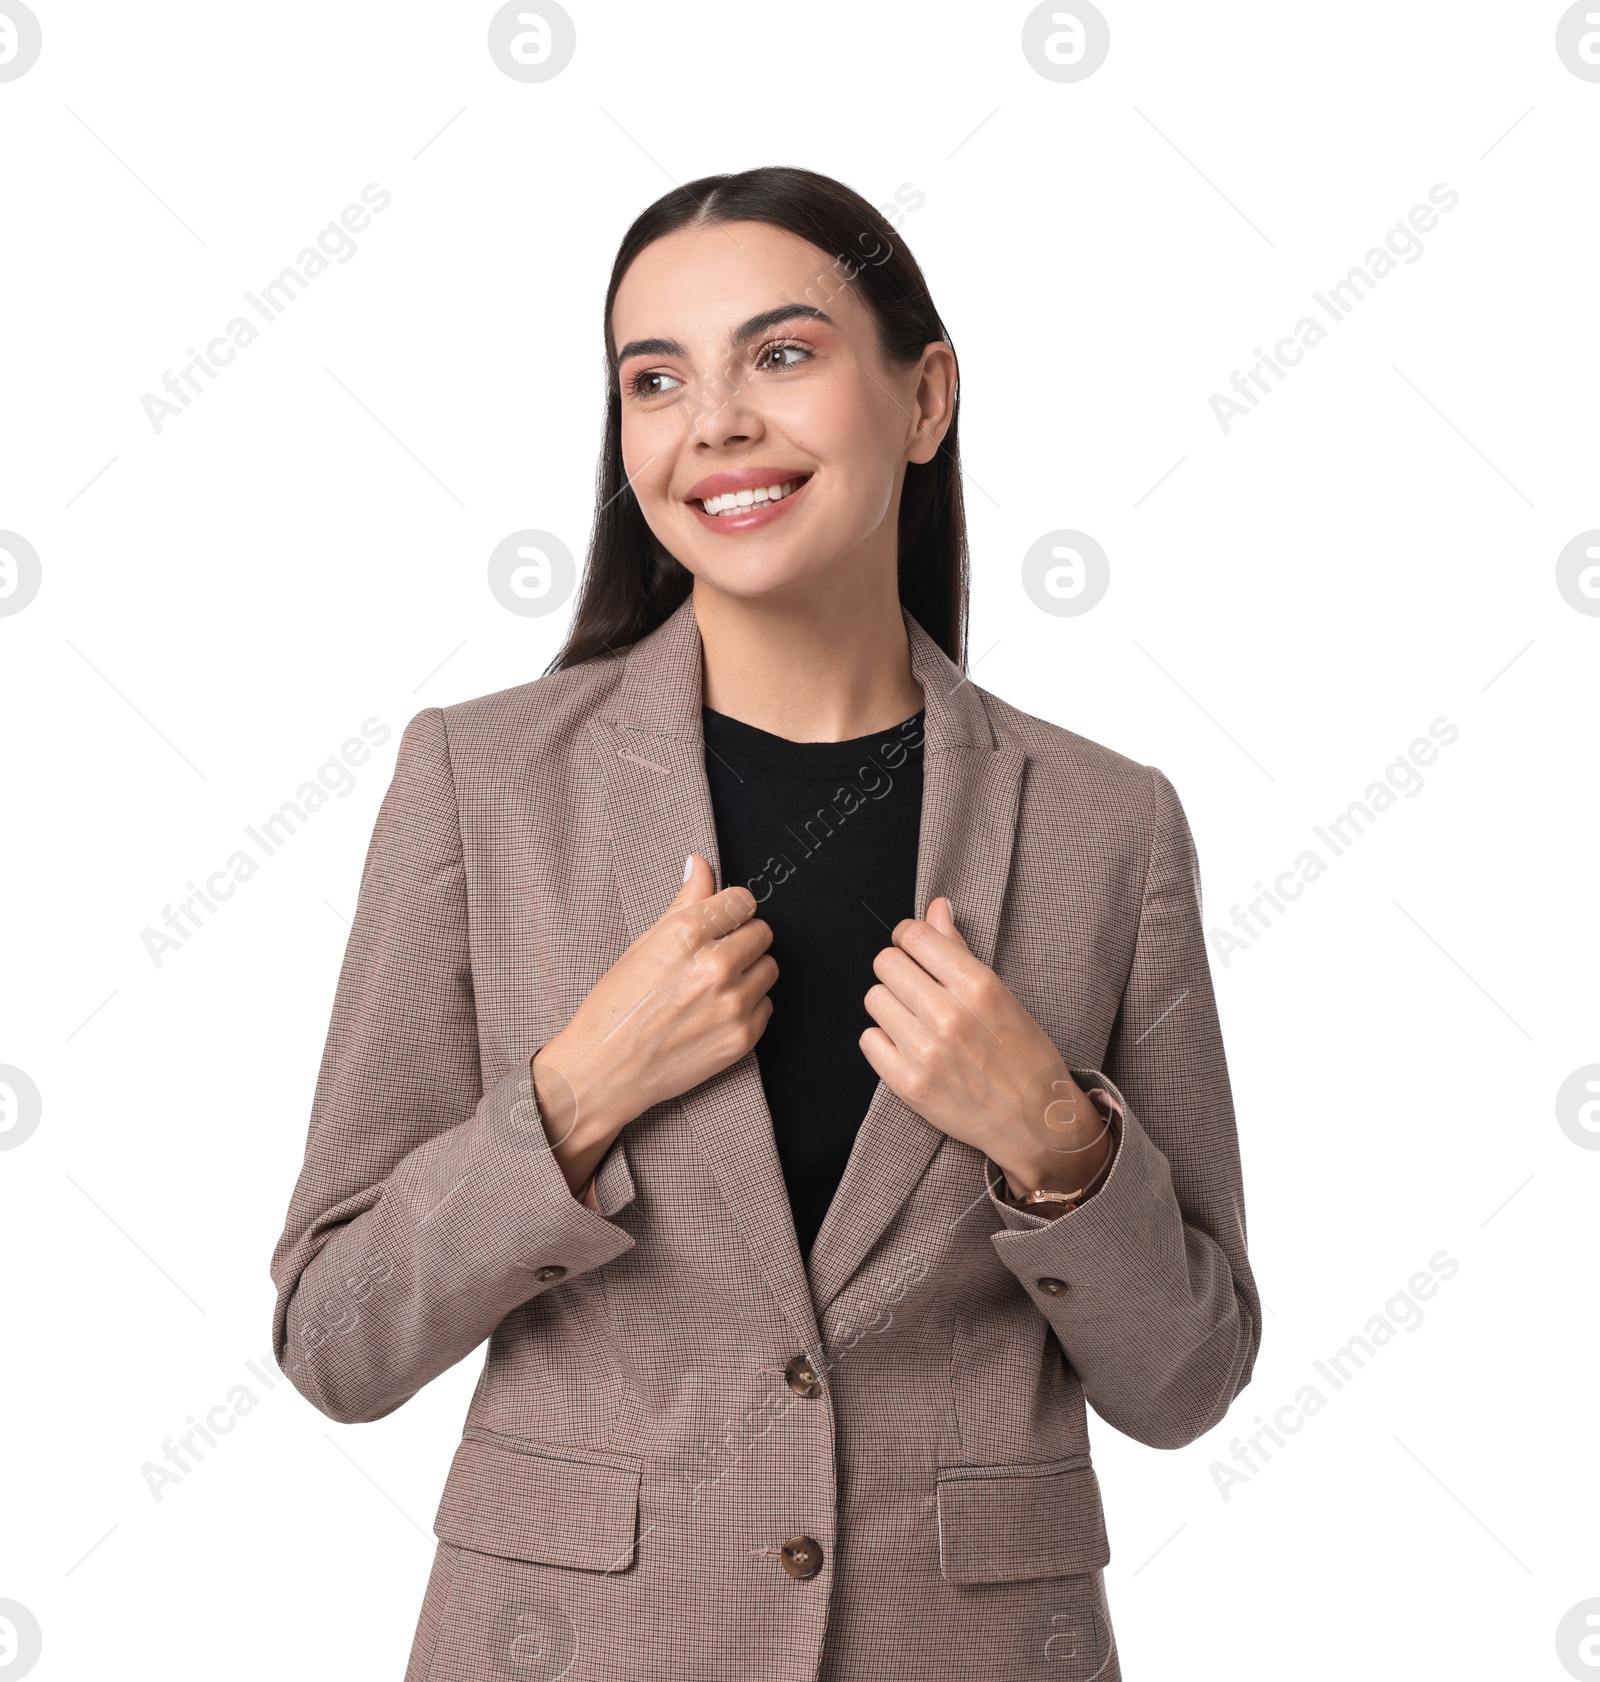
631	583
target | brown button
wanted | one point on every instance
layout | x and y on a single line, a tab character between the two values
801	1377
802	1557
1052	1287
545	1274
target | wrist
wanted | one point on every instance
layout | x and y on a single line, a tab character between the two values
1050	1177
1074	1159
579	1118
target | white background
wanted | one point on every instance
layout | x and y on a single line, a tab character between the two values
305	547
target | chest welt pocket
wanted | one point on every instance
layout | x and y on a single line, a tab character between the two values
1009	1523
541	1502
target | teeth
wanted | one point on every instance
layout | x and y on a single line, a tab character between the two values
733	500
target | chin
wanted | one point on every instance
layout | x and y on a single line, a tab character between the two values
754	576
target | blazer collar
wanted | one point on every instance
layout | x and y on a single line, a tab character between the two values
651	746
663	690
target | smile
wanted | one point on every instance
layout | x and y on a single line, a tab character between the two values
733	501
743	510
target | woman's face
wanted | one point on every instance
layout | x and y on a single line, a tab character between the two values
749	365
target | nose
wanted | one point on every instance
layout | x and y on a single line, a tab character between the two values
725	413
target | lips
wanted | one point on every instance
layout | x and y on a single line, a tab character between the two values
743	479
741	500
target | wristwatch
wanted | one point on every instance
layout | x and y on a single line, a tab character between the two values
1063	1202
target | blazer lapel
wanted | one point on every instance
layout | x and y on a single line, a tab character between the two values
651	746
651	743
970	793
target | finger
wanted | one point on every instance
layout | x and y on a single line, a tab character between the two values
748	942
697	885
941	914
896	1019
757	981
928	997
700	886
692	919
946	957
725	912
887	1062
908	981
698	882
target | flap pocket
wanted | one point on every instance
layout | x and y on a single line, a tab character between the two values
1009	1523
541	1502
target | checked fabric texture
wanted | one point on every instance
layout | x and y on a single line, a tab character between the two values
644	1488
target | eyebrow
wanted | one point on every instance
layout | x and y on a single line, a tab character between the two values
741	334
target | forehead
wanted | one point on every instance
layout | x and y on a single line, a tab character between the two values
697	284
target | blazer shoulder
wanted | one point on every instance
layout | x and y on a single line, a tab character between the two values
1075	784
1061	758
541	713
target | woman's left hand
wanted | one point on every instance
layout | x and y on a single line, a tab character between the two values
955	1044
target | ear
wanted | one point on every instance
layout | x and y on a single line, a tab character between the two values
935	399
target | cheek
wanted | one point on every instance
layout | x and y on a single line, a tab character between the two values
840	416
860	445
645	461
844	426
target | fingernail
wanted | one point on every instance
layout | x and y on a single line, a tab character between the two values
688	864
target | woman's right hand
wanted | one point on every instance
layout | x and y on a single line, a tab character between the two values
685	1000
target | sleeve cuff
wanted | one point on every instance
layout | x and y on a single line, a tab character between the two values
1131	1225
501	1193
610	1187
1108	1101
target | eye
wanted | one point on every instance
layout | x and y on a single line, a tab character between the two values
783	347
640	385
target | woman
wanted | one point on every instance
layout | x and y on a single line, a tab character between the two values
804	1213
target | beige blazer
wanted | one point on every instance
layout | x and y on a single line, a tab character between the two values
689	1455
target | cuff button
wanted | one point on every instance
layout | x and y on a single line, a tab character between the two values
1052	1287
546	1274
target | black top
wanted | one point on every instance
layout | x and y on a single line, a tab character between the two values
824	834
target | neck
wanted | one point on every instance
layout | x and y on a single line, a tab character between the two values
818	670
